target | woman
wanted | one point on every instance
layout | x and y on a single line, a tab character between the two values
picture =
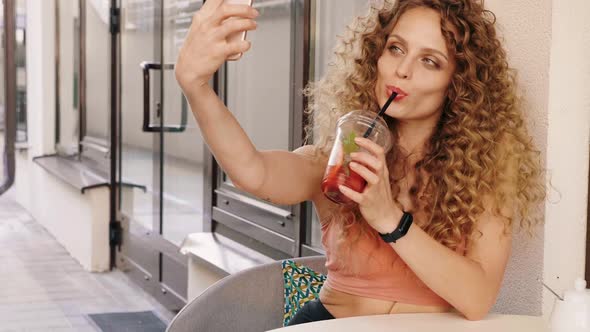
431	232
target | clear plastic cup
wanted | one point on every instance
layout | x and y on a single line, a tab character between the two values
338	172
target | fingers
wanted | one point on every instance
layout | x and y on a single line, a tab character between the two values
237	47
234	26
369	160
364	172
353	195
225	11
371	146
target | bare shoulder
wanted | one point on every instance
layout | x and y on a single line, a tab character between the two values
315	157
309	151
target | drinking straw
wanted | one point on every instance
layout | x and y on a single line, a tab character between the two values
381	112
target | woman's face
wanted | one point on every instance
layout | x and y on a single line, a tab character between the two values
417	65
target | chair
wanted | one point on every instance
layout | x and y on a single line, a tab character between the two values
250	300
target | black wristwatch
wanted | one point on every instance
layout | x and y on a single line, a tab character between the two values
401	230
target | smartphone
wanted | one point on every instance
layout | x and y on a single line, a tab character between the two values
240	35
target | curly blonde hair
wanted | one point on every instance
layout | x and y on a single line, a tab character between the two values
480	152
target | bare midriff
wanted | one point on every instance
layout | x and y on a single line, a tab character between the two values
341	305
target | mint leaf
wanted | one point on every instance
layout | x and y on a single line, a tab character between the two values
348	143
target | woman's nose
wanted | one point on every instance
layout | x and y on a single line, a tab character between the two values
404	69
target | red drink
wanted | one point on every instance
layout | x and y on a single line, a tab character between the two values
349	127
338	175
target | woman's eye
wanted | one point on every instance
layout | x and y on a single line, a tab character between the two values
430	62
395	49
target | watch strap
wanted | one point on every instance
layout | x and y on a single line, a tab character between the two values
401	230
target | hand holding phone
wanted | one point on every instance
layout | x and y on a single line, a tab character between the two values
217	33
239	35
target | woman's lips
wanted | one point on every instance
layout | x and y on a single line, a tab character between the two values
401	94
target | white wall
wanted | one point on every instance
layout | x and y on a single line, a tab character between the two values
525	27
567	147
41	76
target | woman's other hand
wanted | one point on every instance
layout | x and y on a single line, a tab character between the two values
375	202
205	47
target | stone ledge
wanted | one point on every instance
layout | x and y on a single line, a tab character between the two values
221	253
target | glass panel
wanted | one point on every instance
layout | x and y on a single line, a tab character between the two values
259	84
331	20
138	44
183	150
97	69
68	55
21	77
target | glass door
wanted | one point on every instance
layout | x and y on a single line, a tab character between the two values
139	146
161	149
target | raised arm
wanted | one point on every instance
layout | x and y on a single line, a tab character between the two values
279	176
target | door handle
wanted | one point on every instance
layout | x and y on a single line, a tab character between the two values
147	126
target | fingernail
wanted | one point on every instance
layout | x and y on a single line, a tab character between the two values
256	13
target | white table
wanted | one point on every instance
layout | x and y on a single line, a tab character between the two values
439	322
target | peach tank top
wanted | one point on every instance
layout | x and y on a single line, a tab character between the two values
371	268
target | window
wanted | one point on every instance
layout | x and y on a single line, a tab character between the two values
83	79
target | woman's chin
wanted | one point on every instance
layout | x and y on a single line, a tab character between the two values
395	113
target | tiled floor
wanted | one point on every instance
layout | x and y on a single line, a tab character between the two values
42	288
